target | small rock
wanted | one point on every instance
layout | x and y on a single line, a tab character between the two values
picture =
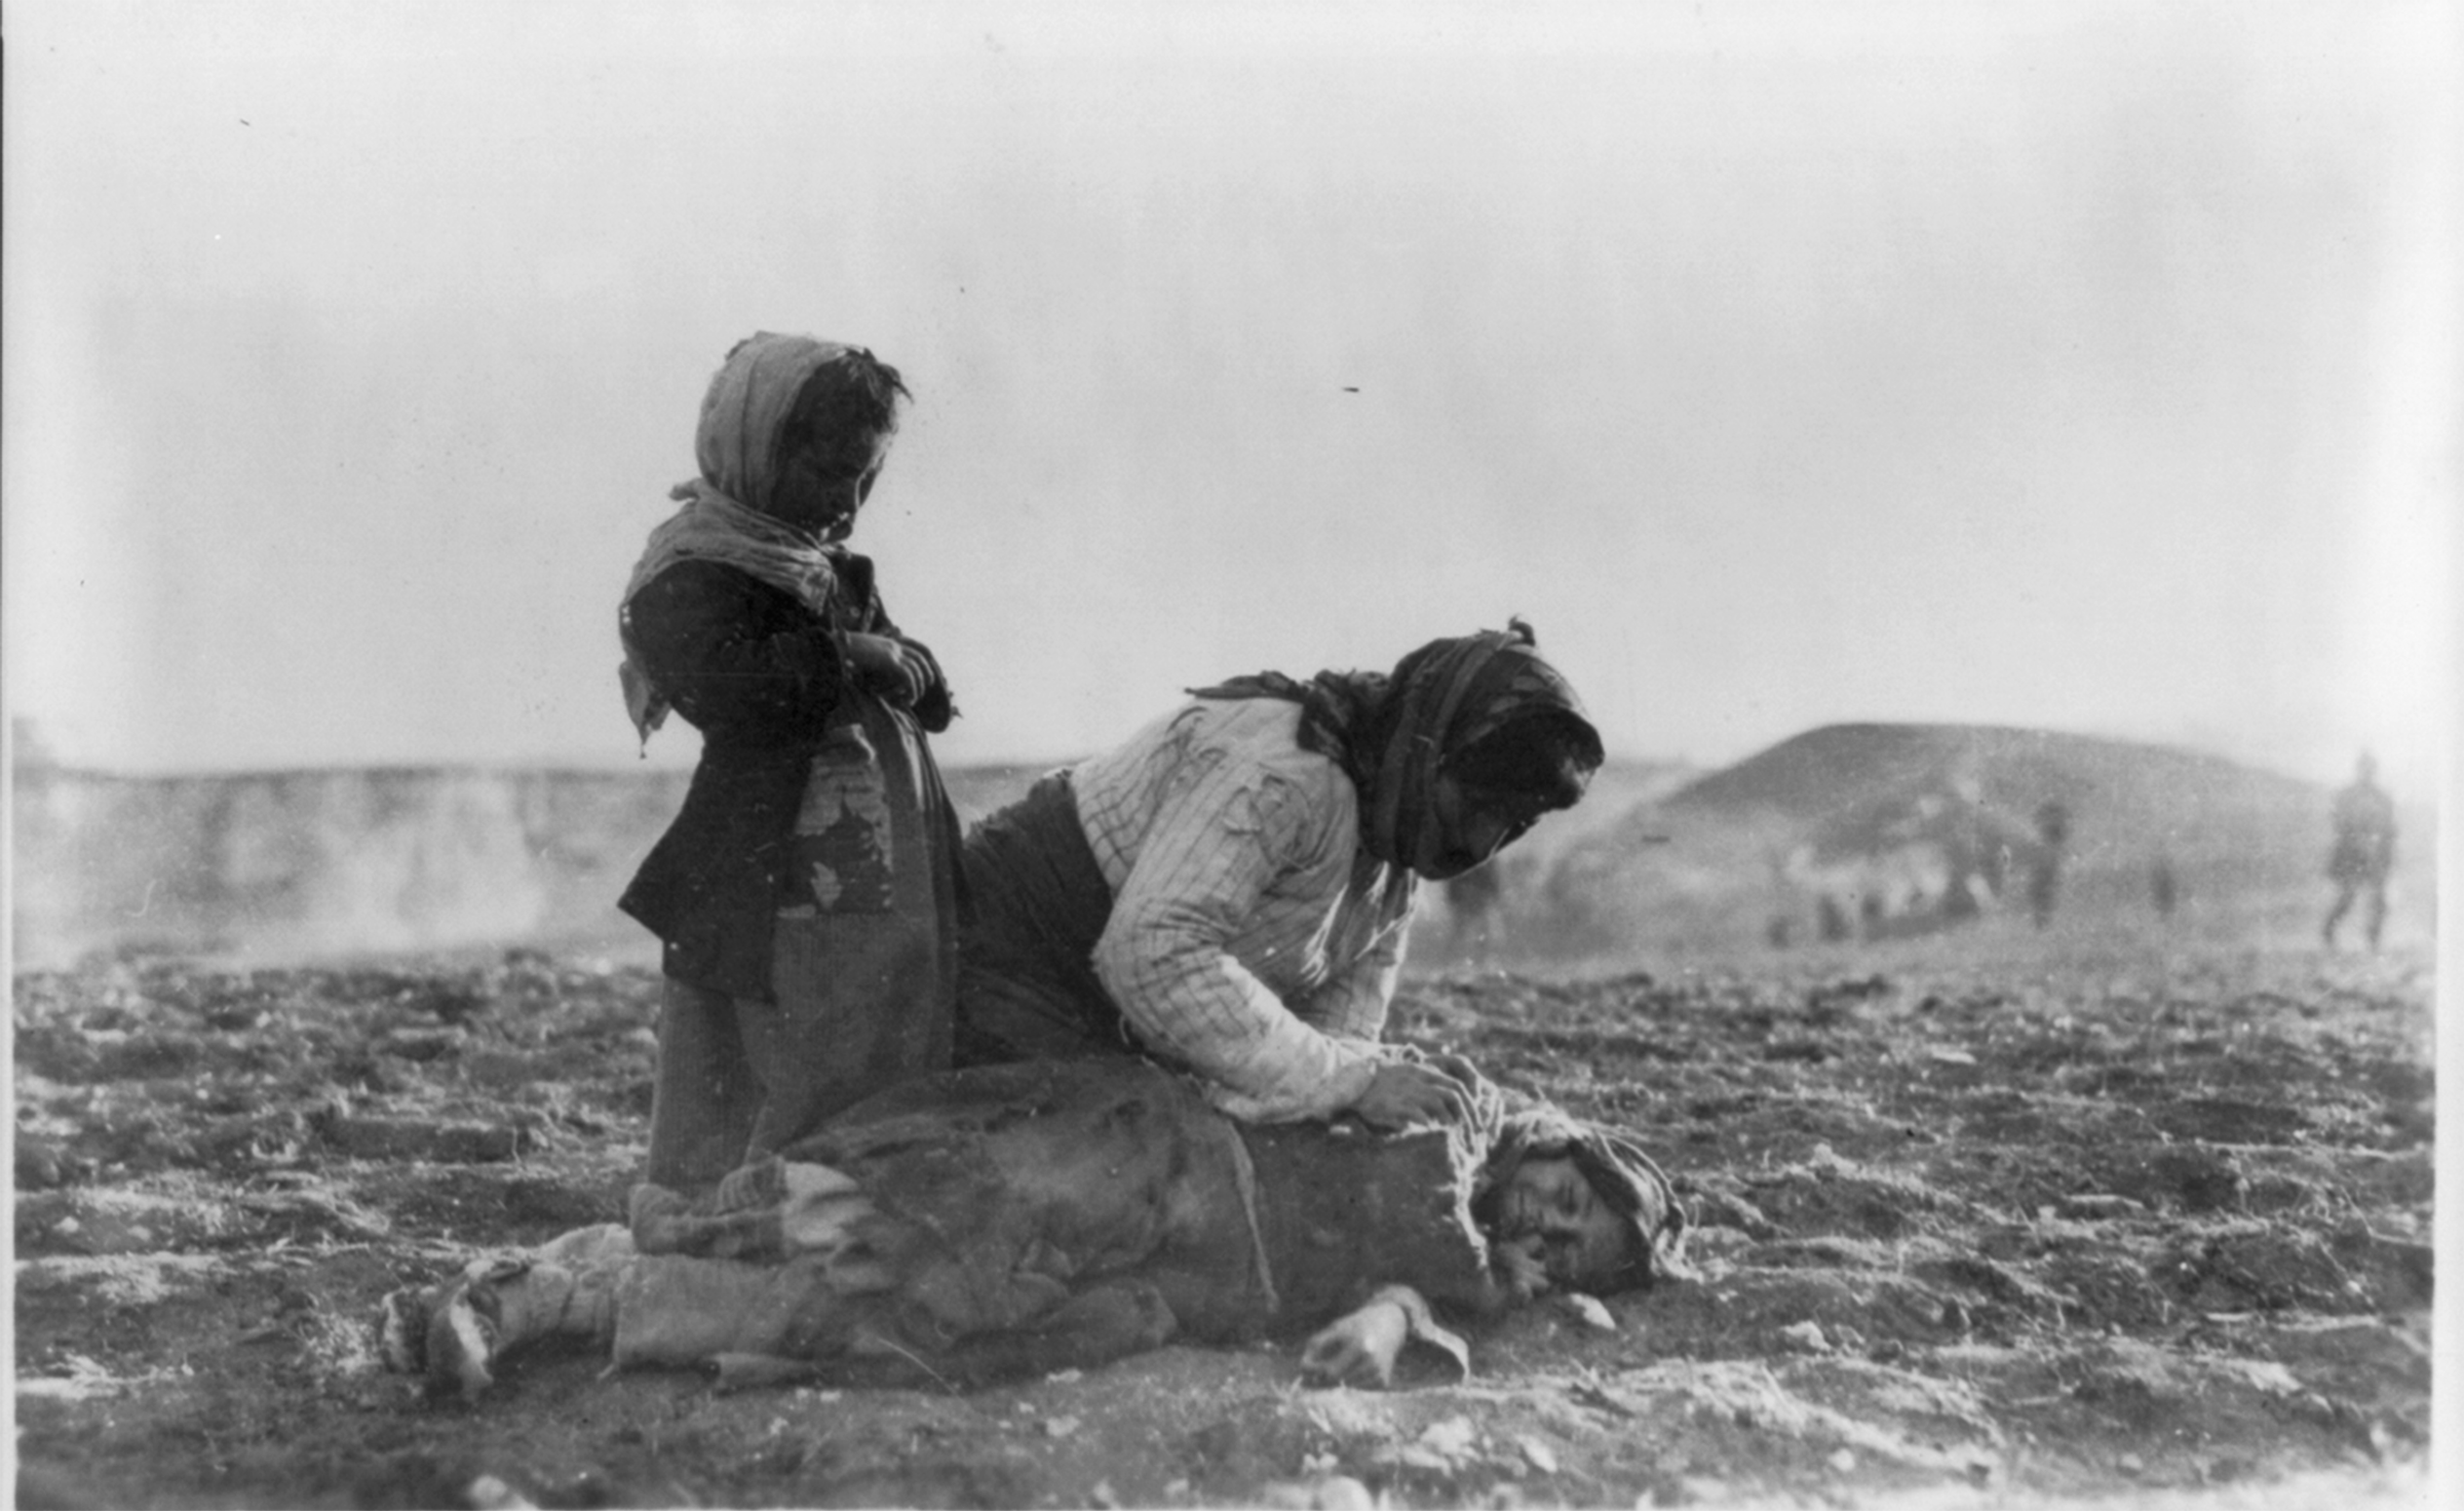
1336	1492
1059	1426
1842	1460
1342	1492
1588	1310
487	1492
1452	1438
1537	1454
1806	1337
2131	1463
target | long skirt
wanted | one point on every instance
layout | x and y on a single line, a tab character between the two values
1038	904
864	965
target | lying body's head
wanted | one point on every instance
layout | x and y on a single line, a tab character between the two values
1588	1205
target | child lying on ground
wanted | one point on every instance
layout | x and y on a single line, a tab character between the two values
1012	1219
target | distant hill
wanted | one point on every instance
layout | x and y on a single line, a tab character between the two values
1826	773
1850	790
1657	858
1892	828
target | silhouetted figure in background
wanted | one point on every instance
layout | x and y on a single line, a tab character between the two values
2044	868
1968	854
2164	888
2364	851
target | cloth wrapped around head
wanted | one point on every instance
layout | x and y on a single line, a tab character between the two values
1485	707
760	402
1626	1178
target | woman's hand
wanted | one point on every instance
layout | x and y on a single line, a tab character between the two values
891	667
1402	1094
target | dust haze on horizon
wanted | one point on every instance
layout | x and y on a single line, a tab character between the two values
2085	367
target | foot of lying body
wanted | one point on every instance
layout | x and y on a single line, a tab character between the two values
448	1335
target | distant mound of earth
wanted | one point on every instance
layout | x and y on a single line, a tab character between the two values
1871	831
1866	831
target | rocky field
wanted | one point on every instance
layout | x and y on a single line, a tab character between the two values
2024	1222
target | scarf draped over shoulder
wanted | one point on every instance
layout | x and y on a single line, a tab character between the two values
724	517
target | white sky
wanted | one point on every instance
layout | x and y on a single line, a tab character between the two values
2080	366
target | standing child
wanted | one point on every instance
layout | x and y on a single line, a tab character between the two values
806	893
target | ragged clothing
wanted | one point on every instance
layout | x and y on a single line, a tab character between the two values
760	674
991	1195
806	896
983	1224
979	1223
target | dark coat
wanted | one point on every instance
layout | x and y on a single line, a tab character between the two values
758	674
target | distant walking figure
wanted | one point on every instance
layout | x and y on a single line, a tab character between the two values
2364	851
2044	870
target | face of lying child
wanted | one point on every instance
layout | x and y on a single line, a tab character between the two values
1549	1211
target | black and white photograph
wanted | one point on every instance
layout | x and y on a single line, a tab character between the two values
1358	756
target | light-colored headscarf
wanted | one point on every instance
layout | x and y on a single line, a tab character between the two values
725	517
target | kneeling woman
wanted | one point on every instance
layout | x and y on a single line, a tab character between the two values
1229	890
1012	1220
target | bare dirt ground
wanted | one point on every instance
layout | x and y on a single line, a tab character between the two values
1994	1227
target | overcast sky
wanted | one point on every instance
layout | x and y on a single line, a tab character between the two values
2078	365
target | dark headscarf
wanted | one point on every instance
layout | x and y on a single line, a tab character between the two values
1633	1186
1392	732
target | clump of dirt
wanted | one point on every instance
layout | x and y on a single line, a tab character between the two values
2065	1227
